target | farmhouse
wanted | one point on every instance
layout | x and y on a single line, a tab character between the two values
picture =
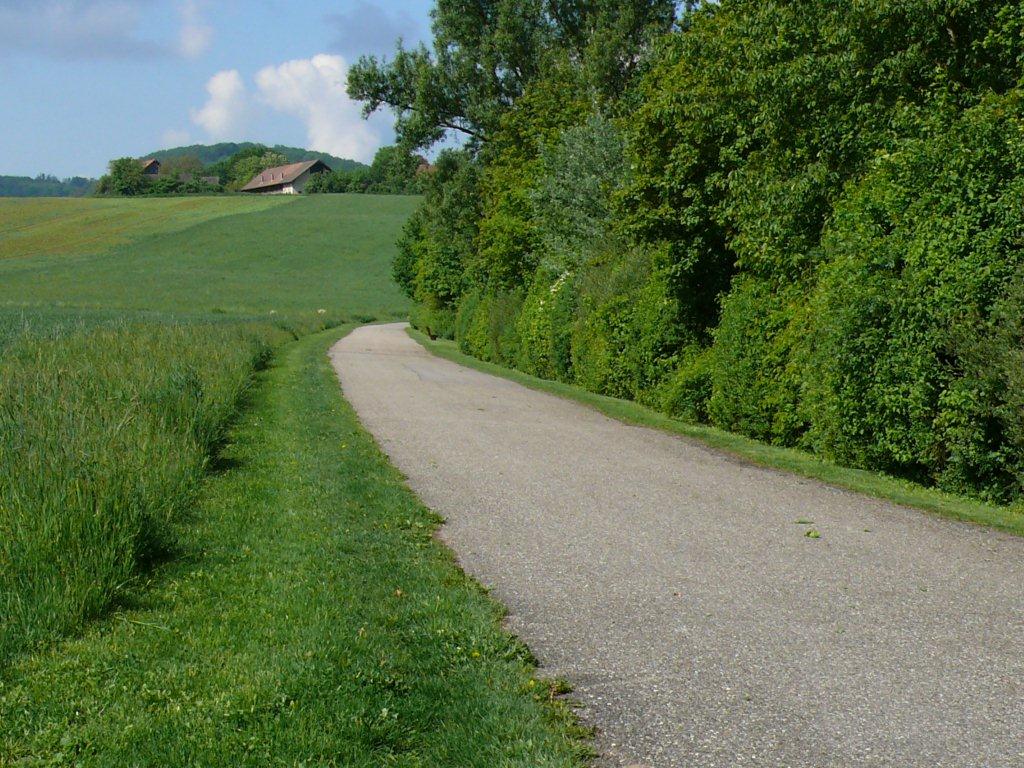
150	167
286	179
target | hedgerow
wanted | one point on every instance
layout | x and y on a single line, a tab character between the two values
795	220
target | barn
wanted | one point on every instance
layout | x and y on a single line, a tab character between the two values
286	179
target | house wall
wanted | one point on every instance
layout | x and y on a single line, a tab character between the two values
299	185
295	188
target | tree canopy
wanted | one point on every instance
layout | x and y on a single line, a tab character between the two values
486	53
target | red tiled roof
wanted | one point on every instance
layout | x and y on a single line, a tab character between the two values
283	174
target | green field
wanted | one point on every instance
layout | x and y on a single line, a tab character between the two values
63	227
244	255
203	559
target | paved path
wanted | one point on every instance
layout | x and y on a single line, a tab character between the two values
672	586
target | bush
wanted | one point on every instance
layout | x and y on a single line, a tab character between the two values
544	327
687	393
626	341
920	251
993	363
756	389
485	326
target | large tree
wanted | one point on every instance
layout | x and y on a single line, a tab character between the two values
124	177
486	52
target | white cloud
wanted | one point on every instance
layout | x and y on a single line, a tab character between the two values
228	109
196	35
174	137
313	90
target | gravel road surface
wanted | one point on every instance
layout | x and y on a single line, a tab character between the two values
675	588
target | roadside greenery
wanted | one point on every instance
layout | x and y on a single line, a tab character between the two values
130	332
204	560
794	460
312	619
798	221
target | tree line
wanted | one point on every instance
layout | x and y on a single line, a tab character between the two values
393	171
799	220
45	185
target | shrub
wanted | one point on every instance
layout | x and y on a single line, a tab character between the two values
924	245
544	327
756	390
486	328
626	338
686	394
993	363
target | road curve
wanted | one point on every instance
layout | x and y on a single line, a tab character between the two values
674	587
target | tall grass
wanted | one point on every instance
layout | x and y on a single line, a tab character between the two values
104	436
106	423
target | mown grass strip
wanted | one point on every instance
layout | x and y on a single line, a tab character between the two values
312	619
1009	519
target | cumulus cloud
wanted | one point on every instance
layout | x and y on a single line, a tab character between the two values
76	29
196	35
228	107
366	28
313	90
309	90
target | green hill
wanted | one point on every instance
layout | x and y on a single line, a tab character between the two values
209	154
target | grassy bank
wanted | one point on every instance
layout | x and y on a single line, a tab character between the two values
1010	519
104	437
311	619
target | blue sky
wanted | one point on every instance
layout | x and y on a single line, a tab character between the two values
85	81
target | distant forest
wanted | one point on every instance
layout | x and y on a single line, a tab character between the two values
44	185
211	154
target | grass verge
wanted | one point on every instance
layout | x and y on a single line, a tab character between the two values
1009	519
104	437
312	619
